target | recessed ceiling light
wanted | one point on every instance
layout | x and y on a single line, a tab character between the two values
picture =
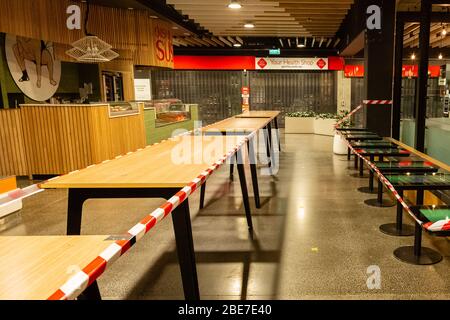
300	45
444	32
413	56
440	56
234	5
249	25
154	17
175	28
237	45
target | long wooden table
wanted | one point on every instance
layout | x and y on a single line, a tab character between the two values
272	114
34	267
243	126
158	171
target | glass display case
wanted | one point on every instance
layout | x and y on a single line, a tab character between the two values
169	111
121	109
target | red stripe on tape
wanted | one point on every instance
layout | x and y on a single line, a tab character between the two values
58	295
182	195
149	222
95	269
167	207
124	244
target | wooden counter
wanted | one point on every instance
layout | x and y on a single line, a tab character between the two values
61	138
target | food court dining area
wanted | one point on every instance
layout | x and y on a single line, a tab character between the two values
224	150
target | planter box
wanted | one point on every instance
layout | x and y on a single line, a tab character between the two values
324	126
299	125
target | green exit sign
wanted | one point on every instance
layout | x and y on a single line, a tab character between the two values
274	52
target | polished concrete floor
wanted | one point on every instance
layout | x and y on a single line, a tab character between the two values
314	237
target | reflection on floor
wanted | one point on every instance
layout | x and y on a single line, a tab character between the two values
314	237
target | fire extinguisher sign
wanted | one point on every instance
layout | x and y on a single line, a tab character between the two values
245	99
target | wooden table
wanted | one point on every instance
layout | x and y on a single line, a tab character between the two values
34	267
243	126
154	172
273	114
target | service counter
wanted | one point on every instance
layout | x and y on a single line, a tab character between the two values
163	119
60	138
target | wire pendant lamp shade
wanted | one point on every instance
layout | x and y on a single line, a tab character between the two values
91	48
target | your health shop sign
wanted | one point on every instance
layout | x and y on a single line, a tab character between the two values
291	64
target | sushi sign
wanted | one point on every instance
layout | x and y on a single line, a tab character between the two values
291	63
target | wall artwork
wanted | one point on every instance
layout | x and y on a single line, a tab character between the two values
33	66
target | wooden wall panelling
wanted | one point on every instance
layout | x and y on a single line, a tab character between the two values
12	149
130	30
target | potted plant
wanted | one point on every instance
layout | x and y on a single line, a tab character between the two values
324	123
339	145
300	122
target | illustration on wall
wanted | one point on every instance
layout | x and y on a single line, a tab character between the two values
33	66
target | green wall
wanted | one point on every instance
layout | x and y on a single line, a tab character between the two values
154	135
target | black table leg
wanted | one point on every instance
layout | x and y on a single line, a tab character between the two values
417	254
267	142
370	189
271	148
348	153
231	168
91	293
243	181
361	167
76	200
275	122
379	201
252	159
202	195
356	161
398	228
185	250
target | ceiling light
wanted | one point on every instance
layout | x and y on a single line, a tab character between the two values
413	56
440	56
444	32
234	5
300	45
154	17
237	45
175	28
249	25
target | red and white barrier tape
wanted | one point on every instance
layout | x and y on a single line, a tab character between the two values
377	101
365	102
19	194
348	116
441	225
81	280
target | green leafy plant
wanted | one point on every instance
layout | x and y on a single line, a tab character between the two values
301	114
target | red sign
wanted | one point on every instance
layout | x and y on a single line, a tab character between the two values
214	63
262	63
321	63
354	71
412	71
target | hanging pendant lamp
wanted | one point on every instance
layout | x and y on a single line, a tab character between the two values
91	49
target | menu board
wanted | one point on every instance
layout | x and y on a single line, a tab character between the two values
142	90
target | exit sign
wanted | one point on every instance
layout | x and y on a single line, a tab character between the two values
274	52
